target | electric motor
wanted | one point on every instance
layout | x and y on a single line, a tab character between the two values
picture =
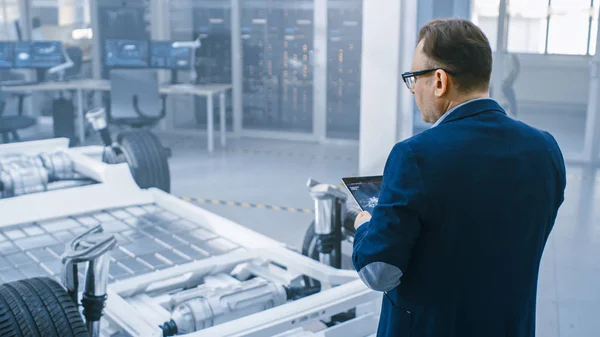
17	161
23	180
215	306
22	174
59	165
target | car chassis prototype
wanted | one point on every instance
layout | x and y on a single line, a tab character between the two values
170	267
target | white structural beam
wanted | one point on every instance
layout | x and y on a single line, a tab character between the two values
25	19
498	65
67	12
408	42
389	36
319	64
160	29
237	66
25	27
96	46
592	124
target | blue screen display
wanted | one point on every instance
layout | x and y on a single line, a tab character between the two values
126	53
164	55
7	55
365	191
38	54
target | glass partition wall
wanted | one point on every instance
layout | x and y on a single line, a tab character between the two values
300	64
279	61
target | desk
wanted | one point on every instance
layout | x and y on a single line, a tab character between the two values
79	86
208	91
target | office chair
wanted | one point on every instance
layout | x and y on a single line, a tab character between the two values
135	99
9	125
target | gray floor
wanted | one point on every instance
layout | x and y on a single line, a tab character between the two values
260	171
275	173
569	292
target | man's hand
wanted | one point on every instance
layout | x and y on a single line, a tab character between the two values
361	218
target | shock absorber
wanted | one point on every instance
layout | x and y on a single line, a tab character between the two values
112	152
328	221
92	247
97	117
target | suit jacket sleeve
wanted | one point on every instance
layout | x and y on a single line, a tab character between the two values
382	246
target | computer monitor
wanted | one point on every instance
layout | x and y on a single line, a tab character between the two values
7	55
38	54
163	55
126	53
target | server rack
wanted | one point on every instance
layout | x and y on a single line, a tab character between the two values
277	45
212	24
261	36
277	38
297	86
343	69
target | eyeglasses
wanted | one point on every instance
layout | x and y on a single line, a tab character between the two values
410	78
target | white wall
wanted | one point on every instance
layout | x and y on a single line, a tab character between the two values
547	80
552	94
380	83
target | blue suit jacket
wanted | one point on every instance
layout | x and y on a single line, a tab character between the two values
464	213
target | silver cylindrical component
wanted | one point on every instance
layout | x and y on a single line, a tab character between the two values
221	305
323	208
59	165
96	280
17	161
93	328
327	200
324	216
96	283
325	197
325	258
97	117
92	247
24	180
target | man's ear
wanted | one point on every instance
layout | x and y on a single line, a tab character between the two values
441	83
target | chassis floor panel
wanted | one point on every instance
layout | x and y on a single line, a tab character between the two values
150	238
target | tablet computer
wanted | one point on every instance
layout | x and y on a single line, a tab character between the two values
364	190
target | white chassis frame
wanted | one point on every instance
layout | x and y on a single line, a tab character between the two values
342	290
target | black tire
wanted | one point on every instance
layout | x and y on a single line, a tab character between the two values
309	248
147	159
309	243
38	307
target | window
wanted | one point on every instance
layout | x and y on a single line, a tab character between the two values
485	15
527	26
9	12
594	28
569	27
542	26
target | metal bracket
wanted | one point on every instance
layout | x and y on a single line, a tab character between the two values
91	247
85	248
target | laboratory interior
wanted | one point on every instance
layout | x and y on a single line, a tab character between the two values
184	167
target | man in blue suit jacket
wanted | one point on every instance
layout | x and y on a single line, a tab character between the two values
465	208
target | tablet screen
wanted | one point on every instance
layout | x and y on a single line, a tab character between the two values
365	190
